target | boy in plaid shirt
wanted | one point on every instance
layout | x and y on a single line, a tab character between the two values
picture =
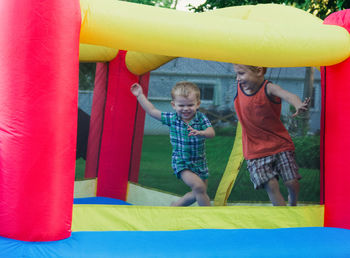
188	131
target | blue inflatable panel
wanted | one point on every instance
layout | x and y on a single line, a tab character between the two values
99	200
291	242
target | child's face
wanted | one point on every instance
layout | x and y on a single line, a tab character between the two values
186	107
248	78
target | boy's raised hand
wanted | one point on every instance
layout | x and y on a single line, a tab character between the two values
136	89
303	107
207	133
192	131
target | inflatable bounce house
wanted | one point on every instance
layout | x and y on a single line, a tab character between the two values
41	45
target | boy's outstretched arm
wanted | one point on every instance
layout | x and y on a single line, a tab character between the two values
207	133
137	91
291	98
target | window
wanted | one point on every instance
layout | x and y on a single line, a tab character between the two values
207	91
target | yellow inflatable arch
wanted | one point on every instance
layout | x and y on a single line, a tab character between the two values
267	35
273	35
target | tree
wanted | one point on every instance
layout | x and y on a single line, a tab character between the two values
159	3
319	8
86	76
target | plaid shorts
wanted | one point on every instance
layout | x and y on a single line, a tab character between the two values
281	164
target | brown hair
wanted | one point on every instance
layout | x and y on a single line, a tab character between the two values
184	89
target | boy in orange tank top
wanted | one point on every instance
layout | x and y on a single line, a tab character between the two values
267	146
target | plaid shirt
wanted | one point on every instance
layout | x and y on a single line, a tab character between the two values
188	151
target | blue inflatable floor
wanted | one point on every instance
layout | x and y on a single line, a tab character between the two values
100	200
292	242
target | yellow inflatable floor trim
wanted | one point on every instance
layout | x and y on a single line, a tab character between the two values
88	217
232	168
248	39
147	196
85	188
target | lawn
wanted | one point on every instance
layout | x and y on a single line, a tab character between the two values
156	172
79	169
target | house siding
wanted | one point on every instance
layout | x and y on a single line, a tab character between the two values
222	77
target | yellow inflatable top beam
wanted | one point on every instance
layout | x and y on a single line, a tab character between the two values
136	62
267	35
140	63
92	53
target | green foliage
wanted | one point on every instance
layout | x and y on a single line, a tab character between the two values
307	149
217	4
225	131
296	126
159	3
87	76
79	169
323	8
319	8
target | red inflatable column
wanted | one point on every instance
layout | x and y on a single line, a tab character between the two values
96	128
118	130
96	120
39	44
337	135
138	133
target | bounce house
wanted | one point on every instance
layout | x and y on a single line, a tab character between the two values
41	46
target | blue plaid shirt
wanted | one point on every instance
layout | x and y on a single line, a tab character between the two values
188	151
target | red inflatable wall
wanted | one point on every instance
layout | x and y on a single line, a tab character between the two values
113	103
337	135
96	120
139	127
118	131
39	44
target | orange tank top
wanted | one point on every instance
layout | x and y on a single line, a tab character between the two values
263	133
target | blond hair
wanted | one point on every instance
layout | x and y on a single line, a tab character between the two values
184	89
256	68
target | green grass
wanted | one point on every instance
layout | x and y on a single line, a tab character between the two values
243	190
79	169
156	172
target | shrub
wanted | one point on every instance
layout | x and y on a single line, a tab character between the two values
225	131
307	149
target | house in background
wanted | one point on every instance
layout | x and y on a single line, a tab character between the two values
217	82
218	89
